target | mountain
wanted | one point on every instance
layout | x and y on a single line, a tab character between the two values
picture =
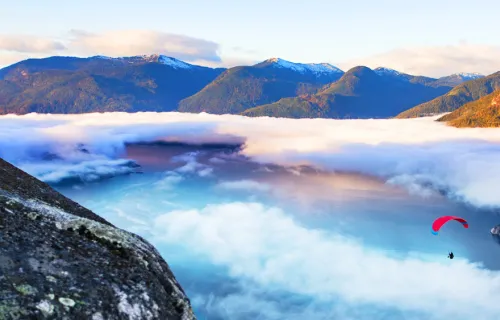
99	84
396	75
244	87
159	83
458	78
463	93
59	260
484	112
359	93
449	81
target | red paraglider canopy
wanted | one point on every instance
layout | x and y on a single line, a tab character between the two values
439	222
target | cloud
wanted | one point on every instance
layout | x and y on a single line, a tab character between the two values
247	185
207	172
421	167
84	171
216	160
138	42
172	178
435	61
30	44
418	153
294	171
192	166
254	242
169	181
118	43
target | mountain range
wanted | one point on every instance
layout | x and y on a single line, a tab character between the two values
484	112
457	97
99	84
359	93
240	88
274	87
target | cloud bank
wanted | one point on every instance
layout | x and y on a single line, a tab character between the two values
138	42
418	153
18	43
265	246
119	43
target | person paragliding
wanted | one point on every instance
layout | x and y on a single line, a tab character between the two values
439	222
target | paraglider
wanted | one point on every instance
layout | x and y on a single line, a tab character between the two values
439	222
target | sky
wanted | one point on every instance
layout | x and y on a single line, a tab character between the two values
434	38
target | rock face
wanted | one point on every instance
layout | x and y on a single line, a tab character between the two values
59	260
495	230
495	233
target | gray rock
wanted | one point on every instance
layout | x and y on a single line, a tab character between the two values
495	230
59	260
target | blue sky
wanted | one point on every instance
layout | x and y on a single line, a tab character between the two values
424	37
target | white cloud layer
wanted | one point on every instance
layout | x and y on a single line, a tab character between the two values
31	44
138	42
418	153
264	245
119	43
246	185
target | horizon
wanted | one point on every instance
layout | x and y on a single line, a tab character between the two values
409	38
243	65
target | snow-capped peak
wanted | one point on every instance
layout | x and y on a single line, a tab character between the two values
381	71
470	75
175	63
169	61
316	68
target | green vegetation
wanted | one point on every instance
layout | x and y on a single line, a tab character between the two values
133	84
484	112
360	93
75	85
457	97
241	88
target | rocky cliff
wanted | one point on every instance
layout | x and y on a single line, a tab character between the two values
59	260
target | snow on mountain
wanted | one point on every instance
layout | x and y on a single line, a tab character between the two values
381	71
470	76
316	68
175	63
169	61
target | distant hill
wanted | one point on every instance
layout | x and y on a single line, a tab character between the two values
244	87
360	93
457	78
99	84
387	72
460	95
274	87
484	112
449	81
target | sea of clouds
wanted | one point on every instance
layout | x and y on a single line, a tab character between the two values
420	154
265	250
269	251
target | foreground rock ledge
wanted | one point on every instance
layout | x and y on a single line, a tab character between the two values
59	260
